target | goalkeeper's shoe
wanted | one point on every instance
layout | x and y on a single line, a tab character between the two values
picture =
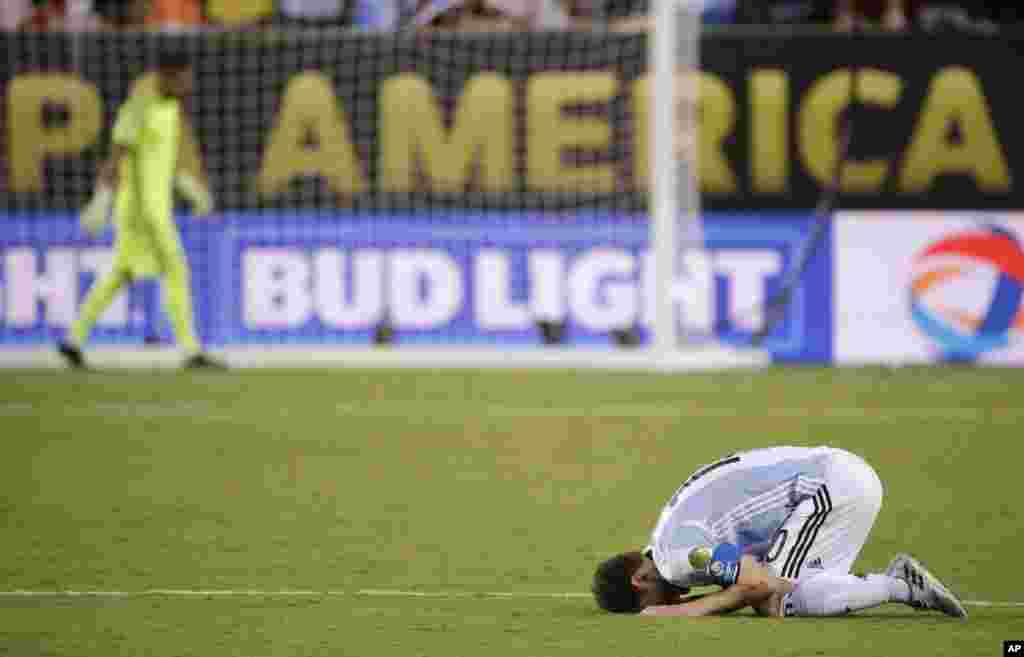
204	362
72	355
926	591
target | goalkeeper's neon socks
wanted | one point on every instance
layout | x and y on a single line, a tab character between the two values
72	355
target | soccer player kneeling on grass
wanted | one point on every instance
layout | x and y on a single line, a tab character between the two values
778	529
137	184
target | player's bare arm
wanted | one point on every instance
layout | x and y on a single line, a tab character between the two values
755	587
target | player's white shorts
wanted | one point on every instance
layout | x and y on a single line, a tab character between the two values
828	530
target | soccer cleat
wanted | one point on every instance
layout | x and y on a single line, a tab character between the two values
204	362
926	591
72	355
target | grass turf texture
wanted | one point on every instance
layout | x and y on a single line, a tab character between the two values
466	482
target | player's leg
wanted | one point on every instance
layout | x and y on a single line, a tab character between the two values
176	284
828	531
100	296
825	593
151	312
837	528
178	304
177	296
907	581
131	259
856	496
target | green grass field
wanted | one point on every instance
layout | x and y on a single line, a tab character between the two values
465	483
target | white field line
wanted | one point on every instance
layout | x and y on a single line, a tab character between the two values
426	408
697	358
256	593
359	593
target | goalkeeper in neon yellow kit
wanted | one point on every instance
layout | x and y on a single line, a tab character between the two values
138	183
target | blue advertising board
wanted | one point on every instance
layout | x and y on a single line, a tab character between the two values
453	279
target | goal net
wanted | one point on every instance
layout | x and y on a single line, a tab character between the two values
437	198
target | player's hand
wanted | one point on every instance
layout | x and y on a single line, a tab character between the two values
196	193
96	213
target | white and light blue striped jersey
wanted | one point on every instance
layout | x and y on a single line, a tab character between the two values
743	499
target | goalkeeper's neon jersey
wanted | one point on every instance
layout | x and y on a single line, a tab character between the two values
743	499
149	125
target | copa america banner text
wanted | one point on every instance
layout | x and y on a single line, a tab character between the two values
526	121
266	279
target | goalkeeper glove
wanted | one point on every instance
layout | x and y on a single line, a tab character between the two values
722	565
96	213
195	193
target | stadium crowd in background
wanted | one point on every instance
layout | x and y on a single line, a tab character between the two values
488	15
93	15
936	16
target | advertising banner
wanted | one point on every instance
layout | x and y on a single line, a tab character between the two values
458	280
929	288
526	121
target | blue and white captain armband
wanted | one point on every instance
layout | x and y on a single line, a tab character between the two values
724	566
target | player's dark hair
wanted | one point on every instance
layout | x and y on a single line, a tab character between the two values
613	585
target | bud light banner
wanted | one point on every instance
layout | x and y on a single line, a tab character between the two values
930	287
461	279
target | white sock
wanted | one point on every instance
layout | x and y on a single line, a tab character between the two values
832	594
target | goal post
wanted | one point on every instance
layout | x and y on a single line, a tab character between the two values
682	270
668	196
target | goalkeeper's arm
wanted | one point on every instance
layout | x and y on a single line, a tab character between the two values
195	192
97	211
109	173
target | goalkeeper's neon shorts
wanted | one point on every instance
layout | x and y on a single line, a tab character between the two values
144	247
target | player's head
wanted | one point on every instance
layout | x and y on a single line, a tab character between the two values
629	582
175	68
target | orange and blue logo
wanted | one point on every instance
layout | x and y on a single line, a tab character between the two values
967	291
